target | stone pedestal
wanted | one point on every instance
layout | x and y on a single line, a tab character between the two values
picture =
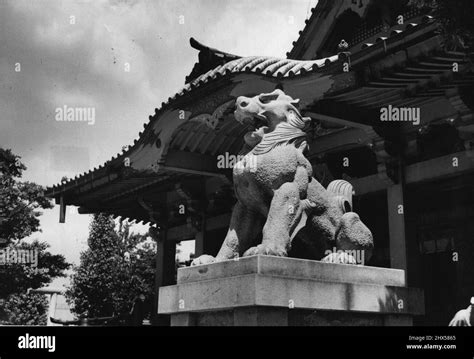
275	291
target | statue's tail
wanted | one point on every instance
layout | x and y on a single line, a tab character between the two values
342	190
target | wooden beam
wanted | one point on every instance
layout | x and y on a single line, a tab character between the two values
343	139
430	170
369	184
191	171
181	233
441	167
337	121
91	210
185	232
192	163
348	112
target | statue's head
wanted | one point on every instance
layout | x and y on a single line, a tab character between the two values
269	109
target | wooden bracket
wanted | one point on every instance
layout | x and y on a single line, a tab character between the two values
153	213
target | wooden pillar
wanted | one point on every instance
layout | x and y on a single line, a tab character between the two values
396	226
199	244
199	239
62	210
396	220
164	272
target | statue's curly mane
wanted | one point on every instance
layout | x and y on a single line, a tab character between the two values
281	108
283	135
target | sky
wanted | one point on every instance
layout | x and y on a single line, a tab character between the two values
122	58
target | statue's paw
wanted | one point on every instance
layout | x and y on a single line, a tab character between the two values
266	250
204	259
343	258
461	319
353	233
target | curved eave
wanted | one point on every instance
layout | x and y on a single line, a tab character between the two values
217	89
267	69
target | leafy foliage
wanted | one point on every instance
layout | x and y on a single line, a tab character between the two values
19	277
113	271
20	203
25	309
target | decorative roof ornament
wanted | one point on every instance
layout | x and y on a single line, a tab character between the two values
343	45
209	58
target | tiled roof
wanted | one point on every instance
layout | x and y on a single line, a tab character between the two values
267	66
261	65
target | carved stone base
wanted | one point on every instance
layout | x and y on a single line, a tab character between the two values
275	291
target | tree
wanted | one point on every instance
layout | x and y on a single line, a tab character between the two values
25	309
116	268
16	277
20	204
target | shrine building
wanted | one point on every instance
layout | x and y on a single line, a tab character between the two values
392	113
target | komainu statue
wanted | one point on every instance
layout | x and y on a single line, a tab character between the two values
463	318
281	209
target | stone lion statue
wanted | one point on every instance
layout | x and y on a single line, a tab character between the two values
281	209
463	317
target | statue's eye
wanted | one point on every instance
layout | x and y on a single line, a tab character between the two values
267	98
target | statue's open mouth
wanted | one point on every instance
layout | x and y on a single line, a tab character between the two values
255	121
258	122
